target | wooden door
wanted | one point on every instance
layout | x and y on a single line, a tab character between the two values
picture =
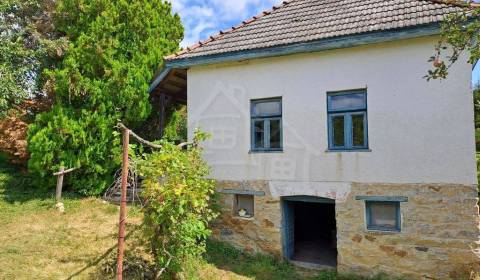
288	229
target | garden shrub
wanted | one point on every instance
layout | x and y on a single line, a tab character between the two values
178	204
176	127
64	137
114	48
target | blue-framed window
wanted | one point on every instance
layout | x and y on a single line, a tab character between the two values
347	120
266	124
383	215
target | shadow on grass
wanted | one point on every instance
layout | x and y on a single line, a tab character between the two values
136	263
263	267
18	186
260	267
218	258
106	258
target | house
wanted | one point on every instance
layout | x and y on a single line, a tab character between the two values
329	147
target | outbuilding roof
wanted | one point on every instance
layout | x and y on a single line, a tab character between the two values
299	21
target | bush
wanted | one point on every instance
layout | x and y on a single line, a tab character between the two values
176	127
178	204
63	137
115	47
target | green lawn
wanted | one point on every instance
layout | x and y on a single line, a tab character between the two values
38	242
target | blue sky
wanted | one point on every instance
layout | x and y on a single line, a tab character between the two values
202	18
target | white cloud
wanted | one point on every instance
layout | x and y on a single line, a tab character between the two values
202	18
193	35
239	8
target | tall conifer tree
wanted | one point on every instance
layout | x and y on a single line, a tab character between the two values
115	47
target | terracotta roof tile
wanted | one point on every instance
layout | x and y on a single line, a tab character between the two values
299	21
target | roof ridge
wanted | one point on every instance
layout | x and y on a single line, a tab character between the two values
229	30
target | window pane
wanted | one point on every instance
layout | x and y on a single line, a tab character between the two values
383	215
275	134
267	108
347	101
358	131
338	131
258	133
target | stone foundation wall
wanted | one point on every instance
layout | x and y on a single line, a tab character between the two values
439	235
438	239
259	234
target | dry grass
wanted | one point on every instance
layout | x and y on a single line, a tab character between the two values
211	272
38	242
52	245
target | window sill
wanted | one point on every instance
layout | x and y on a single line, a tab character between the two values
252	218
348	151
264	151
383	232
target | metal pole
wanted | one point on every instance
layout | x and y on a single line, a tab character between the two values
123	204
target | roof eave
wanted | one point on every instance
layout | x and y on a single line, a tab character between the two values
161	75
304	47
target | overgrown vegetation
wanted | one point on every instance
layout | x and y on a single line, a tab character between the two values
28	45
176	127
263	267
476	104
114	48
178	204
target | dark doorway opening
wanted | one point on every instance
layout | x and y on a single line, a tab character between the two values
310	231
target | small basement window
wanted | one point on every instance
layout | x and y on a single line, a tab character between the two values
244	205
383	215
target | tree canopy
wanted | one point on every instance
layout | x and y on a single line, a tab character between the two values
114	48
28	44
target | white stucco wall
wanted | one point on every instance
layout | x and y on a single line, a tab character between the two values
419	131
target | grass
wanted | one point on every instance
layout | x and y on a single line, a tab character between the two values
38	242
221	256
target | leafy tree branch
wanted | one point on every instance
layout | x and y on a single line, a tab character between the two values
460	33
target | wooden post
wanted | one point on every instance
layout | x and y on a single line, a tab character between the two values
123	204
163	105
58	191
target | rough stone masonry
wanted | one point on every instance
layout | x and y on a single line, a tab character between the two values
439	237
